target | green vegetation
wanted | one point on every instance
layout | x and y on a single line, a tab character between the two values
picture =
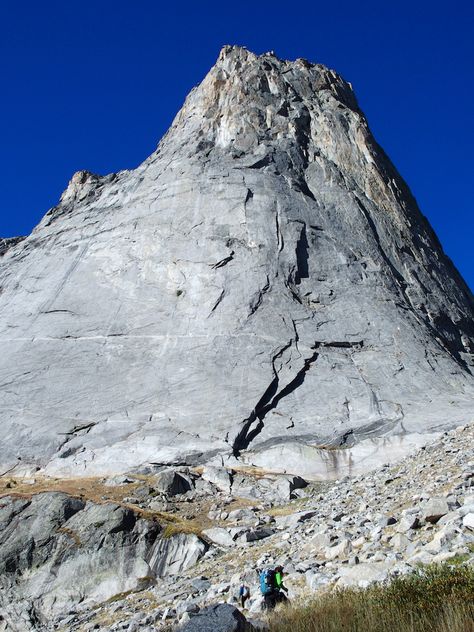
432	599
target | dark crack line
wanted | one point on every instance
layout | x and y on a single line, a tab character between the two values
257	301
87	427
12	468
217	303
280	241
292	291
223	262
302	246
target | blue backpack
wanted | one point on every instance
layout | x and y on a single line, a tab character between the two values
267	581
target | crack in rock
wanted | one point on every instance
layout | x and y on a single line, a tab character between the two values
254	423
223	262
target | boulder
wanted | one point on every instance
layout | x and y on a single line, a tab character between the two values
218	476
258	534
221	618
316	580
219	536
275	487
468	521
434	509
338	550
399	542
172	556
200	583
171	483
319	542
408	521
293	519
358	542
362	575
118	480
420	556
244	514
285	486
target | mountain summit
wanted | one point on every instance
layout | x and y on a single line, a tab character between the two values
262	290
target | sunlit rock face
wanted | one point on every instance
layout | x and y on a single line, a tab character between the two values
264	278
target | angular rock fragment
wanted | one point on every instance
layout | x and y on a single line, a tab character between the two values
468	521
219	476
434	509
173	555
363	574
171	483
219	536
220	618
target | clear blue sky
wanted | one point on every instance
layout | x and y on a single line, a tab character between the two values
94	85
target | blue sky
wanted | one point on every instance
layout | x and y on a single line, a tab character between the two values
94	85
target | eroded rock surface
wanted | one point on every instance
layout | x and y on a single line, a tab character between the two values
261	289
57	551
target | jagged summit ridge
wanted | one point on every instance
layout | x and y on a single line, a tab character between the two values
262	287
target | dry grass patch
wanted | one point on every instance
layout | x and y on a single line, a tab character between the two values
286	510
433	599
90	488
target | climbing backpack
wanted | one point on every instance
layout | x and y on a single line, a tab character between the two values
267	581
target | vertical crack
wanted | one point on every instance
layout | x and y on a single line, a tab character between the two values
302	270
280	242
254	423
258	298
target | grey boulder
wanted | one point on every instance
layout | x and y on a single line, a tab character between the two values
173	555
434	509
221	618
171	483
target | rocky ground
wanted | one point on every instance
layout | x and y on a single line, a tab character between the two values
151	550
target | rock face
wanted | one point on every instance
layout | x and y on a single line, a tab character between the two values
56	551
261	288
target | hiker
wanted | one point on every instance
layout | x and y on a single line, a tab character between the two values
244	594
281	589
268	588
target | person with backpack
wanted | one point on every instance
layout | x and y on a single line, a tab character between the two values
244	594
268	588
